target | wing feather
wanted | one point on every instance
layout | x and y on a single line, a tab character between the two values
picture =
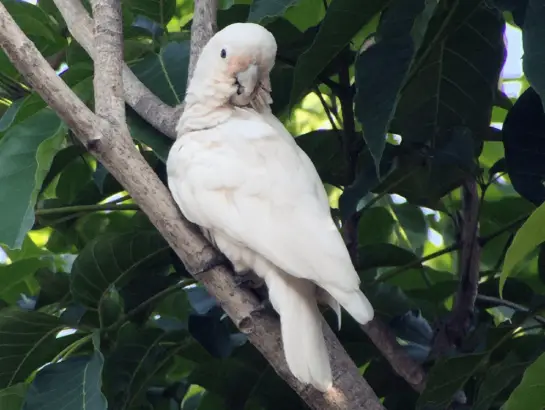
245	180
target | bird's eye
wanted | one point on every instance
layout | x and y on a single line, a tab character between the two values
223	53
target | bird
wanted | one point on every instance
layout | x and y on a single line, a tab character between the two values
236	172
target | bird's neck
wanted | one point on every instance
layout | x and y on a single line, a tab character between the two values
206	106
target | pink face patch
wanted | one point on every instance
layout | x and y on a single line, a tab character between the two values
238	63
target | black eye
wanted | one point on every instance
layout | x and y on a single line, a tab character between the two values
223	53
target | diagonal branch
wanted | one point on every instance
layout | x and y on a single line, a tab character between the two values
137	95
126	164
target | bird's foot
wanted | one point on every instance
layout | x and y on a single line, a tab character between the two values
248	280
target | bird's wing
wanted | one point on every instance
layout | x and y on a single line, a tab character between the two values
245	180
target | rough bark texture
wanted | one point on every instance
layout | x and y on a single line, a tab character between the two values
162	116
110	143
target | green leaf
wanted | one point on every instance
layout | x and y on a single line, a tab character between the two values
160	11
344	18
423	177
447	377
165	74
383	254
138	356
110	308
454	79
381	69
115	259
29	340
523	132
13	397
54	287
530	393
17	278
144	132
530	235
9	115
261	9
228	378
497	378
324	148
72	180
73	384
26	152
533	60
382	223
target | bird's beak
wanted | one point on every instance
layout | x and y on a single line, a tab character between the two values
248	79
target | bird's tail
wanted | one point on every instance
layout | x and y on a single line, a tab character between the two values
355	303
301	322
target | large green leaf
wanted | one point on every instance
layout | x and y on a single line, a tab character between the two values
324	148
138	356
532	38
73	384
28	341
497	378
113	260
381	69
447	377
144	132
523	132
529	237
261	9
160	11
12	398
530	393
454	79
423	176
17	278
383	254
165	74
26	152
344	18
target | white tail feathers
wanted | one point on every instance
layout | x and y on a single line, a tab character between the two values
301	322
355	303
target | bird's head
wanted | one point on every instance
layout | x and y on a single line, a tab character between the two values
235	65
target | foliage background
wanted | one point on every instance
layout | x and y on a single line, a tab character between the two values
98	313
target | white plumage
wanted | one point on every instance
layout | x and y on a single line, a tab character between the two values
235	171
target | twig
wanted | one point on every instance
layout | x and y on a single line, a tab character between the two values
124	162
137	95
158	296
515	306
87	208
349	125
455	329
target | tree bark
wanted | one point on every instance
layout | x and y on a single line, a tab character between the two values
108	139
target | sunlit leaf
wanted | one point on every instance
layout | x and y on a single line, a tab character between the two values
26	152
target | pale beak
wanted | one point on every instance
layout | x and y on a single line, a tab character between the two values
247	80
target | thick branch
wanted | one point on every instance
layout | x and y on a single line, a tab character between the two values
385	341
126	164
203	28
108	61
137	95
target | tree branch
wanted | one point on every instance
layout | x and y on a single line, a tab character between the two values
108	61
453	332
137	95
125	163
385	340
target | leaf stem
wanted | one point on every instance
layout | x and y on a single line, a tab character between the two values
165	292
88	208
482	241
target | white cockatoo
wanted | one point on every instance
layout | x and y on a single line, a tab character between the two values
236	172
